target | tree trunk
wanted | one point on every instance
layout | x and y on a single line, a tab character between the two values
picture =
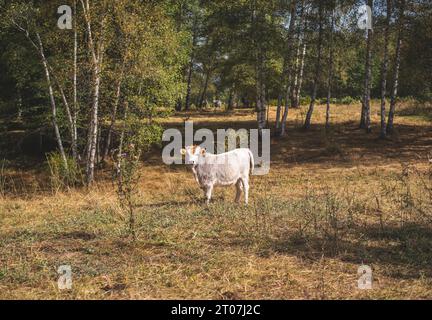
298	57
52	100
189	86
121	142
178	105
68	111
300	71
257	19
396	69
330	74
97	57
204	92
278	110
75	91
114	113
19	104
98	143
93	133
288	71
317	71
267	107
384	69
295	82
54	114
282	84
368	76
191	62
41	52
260	93
231	98
286	109
300	76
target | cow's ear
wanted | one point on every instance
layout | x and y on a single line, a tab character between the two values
183	151
203	151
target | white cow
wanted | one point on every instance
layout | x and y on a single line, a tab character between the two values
224	169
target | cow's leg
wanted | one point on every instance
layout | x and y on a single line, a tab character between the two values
208	193
246	189
239	190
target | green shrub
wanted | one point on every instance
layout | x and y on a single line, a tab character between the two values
62	177
273	102
305	100
348	100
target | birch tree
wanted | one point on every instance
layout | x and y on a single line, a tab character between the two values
261	106
75	84
300	76
23	19
308	119
299	59
96	47
191	63
397	61
368	76
330	69
288	70
384	69
285	69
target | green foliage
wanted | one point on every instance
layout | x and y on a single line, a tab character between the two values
62	177
347	100
305	100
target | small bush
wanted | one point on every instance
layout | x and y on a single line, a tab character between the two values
305	100
63	177
322	100
273	102
348	100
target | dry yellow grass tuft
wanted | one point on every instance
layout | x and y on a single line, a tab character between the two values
331	202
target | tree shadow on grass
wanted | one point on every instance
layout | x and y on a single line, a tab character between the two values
342	145
404	252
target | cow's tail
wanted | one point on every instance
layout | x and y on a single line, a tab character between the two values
252	163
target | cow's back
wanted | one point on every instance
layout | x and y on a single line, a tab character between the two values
227	168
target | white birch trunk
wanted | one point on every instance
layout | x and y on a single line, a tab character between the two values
75	91
330	74
307	123
114	113
288	69
97	57
396	70
52	100
384	70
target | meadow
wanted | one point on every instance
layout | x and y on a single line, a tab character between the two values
333	200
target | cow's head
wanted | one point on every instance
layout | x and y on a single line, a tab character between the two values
192	154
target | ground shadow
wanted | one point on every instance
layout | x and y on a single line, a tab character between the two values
403	251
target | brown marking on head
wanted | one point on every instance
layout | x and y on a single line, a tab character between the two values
194	148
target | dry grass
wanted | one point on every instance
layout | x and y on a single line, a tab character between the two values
330	203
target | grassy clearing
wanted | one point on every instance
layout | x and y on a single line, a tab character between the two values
330	203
